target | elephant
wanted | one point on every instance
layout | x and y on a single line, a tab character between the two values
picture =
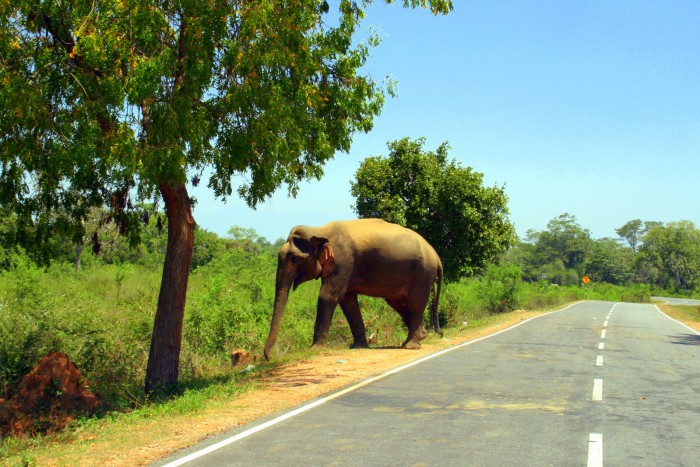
363	256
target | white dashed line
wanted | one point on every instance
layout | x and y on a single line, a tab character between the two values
595	450
602	334
599	360
597	390
601	346
605	324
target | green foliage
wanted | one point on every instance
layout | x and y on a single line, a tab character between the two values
658	255
447	204
609	261
564	240
230	302
101	318
674	251
633	231
207	247
499	288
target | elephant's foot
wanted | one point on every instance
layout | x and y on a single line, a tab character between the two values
411	344
414	338
359	345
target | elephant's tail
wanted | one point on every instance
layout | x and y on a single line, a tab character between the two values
434	315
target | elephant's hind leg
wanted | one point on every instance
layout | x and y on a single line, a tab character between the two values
351	309
416	333
399	304
416	303
413	321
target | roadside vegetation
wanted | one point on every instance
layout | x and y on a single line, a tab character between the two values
101	315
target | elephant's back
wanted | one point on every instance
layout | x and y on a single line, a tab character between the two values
376	238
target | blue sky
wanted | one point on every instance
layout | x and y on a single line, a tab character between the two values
586	107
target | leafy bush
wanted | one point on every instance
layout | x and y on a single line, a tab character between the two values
500	287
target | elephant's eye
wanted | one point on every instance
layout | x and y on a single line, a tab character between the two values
292	258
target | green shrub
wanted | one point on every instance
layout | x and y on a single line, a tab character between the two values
500	287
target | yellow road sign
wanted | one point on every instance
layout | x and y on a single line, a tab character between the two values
586	279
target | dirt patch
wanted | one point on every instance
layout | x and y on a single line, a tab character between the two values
47	398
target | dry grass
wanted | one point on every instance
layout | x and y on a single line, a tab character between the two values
689	315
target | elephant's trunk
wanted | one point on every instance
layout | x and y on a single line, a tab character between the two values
282	286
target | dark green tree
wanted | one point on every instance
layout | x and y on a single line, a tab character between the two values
466	222
633	231
117	102
609	261
673	250
564	241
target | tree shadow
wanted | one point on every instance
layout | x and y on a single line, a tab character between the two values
686	339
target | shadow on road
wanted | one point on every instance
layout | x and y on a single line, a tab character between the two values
686	339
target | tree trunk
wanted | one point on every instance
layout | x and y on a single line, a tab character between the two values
164	357
78	252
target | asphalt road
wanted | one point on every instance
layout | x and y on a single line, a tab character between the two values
678	301
596	383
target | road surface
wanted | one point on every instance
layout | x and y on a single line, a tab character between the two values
595	383
678	301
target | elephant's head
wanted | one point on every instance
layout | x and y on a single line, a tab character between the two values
304	257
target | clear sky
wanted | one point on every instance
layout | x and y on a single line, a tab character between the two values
588	107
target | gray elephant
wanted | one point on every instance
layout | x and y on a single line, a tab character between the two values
366	256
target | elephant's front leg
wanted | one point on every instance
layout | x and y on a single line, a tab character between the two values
324	317
351	309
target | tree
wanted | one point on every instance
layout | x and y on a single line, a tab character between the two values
447	204
108	102
564	240
609	261
634	230
674	250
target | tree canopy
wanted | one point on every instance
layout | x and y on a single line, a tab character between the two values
466	222
673	250
564	240
116	102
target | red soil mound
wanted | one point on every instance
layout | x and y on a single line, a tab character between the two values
47	398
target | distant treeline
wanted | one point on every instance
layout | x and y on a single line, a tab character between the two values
664	256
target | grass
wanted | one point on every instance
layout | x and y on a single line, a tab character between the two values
689	315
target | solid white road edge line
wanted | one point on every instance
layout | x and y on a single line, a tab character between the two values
673	319
316	403
595	450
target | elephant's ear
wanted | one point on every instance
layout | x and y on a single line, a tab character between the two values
325	256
